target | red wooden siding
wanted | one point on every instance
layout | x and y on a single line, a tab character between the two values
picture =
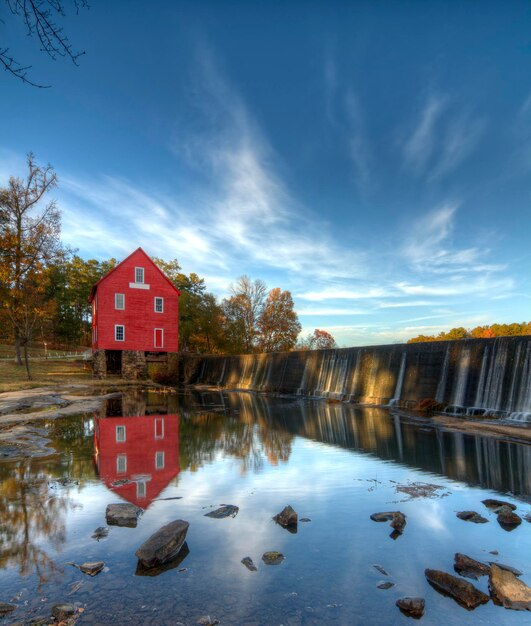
148	458
139	316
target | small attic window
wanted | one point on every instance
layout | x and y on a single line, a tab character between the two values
139	274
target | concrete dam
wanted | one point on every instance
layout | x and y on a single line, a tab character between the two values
467	377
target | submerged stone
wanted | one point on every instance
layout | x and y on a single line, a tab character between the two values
163	545
100	533
225	510
122	514
460	590
508	590
385	584
248	562
286	517
6	608
412	607
472	516
60	611
273	558
470	568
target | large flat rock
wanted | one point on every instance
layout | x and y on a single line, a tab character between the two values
164	545
460	590
122	514
506	589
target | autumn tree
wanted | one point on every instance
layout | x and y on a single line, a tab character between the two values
318	340
242	312
278	324
29	242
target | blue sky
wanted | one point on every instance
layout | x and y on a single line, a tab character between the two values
374	158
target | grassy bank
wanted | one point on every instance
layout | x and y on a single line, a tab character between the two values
13	377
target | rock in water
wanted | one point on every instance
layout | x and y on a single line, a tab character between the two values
286	517
6	608
496	504
248	562
460	590
92	568
509	568
398	522
122	514
62	611
508	590
412	607
385	584
397	519
507	519
225	510
273	558
470	568
100	533
157	570
472	516
163	545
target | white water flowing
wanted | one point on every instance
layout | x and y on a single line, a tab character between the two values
399	381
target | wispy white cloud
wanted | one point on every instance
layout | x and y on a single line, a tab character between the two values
442	138
460	138
418	149
358	144
342	294
331	311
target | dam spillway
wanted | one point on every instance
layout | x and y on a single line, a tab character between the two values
469	376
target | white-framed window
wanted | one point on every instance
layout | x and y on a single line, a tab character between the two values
158	338
159	460
159	305
120	433
139	274
121	463
119	332
141	489
159	428
119	301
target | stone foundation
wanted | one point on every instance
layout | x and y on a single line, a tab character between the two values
99	364
134	365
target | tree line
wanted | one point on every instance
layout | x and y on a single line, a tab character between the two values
479	332
45	286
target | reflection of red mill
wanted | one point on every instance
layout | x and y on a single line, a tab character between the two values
143	452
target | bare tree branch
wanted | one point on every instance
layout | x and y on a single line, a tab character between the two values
40	19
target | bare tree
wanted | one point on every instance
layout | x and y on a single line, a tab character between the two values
29	241
244	307
41	19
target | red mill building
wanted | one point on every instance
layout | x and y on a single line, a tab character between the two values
134	312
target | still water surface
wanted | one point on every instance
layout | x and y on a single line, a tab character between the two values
334	463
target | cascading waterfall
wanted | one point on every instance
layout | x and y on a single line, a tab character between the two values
462	378
441	386
522	411
400	381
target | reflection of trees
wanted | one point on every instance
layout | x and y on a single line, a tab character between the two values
248	437
74	438
29	515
